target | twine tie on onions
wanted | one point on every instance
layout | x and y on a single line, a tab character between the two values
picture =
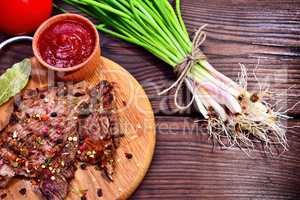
182	69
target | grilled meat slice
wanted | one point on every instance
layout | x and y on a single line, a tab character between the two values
60	171
35	134
51	129
98	128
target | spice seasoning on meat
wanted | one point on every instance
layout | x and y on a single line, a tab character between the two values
50	144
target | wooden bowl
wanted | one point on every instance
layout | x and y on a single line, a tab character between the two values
77	72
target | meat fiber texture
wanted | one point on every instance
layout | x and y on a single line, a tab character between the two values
52	129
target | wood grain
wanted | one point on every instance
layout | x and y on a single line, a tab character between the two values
187	166
136	121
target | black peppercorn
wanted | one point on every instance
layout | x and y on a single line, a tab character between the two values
42	96
53	114
128	156
83	166
59	141
22	191
99	192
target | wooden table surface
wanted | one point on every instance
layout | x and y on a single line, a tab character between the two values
186	165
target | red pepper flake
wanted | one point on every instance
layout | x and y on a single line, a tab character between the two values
99	192
58	131
34	182
3	196
22	191
20	161
82	148
44	117
45	129
128	156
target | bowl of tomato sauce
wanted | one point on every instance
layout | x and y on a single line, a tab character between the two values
69	45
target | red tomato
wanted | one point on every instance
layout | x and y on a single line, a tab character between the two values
23	16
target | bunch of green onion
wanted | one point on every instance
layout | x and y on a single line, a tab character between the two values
231	111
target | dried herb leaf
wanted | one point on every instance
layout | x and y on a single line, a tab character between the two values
14	80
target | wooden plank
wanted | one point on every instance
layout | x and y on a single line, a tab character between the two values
186	166
238	32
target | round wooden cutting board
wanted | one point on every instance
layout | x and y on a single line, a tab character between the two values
136	122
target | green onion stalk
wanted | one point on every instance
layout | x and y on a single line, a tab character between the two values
232	112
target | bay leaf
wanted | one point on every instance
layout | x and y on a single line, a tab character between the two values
14	80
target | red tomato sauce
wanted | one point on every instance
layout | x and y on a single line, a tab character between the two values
66	43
